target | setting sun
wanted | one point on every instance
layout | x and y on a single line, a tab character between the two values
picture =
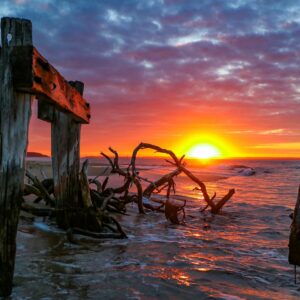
203	151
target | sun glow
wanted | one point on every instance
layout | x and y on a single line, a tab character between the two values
204	151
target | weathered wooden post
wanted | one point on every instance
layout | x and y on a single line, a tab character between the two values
65	139
294	243
15	112
24	72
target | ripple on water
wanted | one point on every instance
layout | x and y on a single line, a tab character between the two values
240	254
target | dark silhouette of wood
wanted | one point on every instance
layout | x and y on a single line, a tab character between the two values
65	138
43	192
24	72
215	207
36	211
157	149
294	242
86	198
34	74
45	110
98	235
144	198
129	178
159	183
172	211
15	112
180	168
218	206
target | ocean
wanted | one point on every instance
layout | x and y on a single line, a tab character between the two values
239	254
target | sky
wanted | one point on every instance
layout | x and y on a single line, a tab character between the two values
175	73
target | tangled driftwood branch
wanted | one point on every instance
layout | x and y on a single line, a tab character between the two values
93	216
89	218
180	168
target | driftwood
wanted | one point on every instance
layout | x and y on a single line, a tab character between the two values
180	168
37	211
98	235
42	191
143	197
95	202
89	215
49	186
31	189
156	185
86	199
128	177
172	211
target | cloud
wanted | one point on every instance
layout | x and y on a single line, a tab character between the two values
142	60
282	146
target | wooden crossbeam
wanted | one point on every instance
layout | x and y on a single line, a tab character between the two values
33	74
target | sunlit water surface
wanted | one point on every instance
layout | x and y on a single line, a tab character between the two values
240	254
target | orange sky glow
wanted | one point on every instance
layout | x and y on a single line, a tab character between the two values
188	132
176	74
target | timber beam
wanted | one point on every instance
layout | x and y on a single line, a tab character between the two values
33	74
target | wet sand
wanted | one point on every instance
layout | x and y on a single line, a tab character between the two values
43	168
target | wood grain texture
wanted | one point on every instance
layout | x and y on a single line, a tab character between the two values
65	135
32	73
84	186
15	112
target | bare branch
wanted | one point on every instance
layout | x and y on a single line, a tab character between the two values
153	147
160	182
108	158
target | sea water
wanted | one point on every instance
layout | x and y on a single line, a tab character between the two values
239	254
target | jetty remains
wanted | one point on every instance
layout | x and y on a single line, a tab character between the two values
80	205
26	75
294	242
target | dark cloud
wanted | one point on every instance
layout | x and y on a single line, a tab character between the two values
141	59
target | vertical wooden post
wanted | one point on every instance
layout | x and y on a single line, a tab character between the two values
65	135
15	112
294	242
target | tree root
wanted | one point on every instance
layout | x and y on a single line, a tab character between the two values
92	214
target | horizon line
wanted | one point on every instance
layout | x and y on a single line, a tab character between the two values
188	158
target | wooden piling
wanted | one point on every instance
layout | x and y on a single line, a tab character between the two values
24	72
65	137
15	112
294	242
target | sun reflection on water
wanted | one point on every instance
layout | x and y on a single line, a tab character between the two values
181	278
203	269
200	261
